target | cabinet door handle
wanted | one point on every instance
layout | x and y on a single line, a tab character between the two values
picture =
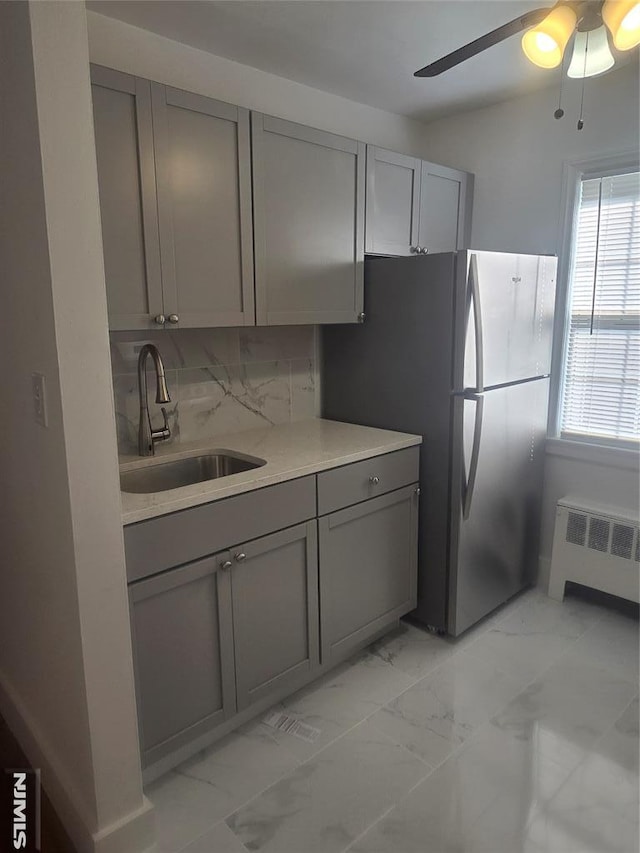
374	480
423	251
160	319
418	491
240	557
415	250
226	565
173	319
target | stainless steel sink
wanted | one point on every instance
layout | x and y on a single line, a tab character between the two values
184	472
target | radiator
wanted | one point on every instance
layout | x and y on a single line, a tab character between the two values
595	546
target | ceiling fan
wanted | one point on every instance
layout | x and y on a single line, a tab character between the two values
548	31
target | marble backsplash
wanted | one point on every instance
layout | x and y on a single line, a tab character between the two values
219	380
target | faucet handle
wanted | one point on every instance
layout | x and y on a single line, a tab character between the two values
164	432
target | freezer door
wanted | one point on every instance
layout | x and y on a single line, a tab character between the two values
497	469
510	300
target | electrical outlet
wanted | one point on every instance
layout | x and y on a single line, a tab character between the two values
39	399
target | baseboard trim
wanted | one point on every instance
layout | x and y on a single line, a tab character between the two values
134	833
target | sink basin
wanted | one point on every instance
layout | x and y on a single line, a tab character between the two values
184	472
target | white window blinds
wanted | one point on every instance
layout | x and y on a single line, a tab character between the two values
601	396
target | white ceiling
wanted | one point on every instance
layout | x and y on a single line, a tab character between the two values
365	50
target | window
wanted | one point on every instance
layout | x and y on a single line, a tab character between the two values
601	388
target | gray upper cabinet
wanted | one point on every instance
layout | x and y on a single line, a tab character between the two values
368	569
174	174
203	170
274	584
445	208
393	202
414	206
127	183
183	654
308	195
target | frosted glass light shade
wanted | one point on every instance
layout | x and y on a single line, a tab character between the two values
544	44
623	19
598	56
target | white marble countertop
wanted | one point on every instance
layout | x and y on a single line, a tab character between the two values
290	451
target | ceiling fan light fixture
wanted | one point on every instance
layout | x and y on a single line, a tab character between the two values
591	54
623	19
544	44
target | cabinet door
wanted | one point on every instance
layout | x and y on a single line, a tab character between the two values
368	569
275	610
127	184
204	207
445	208
308	194
393	202
183	654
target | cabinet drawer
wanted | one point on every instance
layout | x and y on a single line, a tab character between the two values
362	480
171	540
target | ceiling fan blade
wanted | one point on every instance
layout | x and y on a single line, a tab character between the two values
488	40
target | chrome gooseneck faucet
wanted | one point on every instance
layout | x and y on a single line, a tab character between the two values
147	436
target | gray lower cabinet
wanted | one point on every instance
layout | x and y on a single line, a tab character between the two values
274	582
368	569
414	206
218	631
183	654
214	636
308	196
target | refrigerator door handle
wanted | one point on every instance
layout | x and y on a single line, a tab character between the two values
468	484
477	322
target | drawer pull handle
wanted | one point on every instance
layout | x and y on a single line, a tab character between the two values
240	557
226	565
374	480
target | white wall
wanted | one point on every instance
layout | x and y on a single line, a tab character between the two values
66	684
517	151
136	51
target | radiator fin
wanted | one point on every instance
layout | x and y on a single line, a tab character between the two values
599	534
622	540
576	528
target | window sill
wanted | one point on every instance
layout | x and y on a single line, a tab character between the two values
596	454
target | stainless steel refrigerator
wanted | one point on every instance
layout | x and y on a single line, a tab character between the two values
457	347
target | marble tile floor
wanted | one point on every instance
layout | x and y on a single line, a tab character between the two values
520	737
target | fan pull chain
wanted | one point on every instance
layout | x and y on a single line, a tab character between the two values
584	70
560	112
